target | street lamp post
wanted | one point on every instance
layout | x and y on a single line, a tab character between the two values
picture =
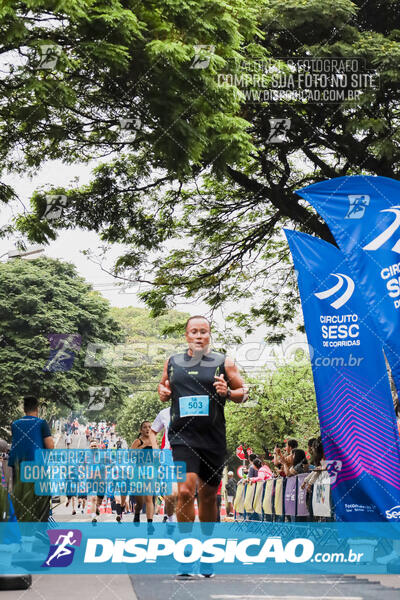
23	253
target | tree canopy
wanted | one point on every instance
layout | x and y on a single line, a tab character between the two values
76	68
147	343
49	316
201	193
283	406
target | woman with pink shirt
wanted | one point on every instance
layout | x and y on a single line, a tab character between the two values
264	472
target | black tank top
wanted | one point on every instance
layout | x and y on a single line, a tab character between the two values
189	376
142	447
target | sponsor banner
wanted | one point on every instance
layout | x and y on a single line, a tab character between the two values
355	408
302	508
268	501
72	548
290	496
321	499
279	496
363	214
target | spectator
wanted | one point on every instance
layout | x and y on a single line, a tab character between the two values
252	469
310	445
277	456
317	453
296	463
290	446
285	456
231	487
279	471
30	433
263	471
319	461
6	477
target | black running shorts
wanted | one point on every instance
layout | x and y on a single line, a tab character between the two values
208	465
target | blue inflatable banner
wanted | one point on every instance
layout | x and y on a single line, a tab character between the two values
363	214
358	424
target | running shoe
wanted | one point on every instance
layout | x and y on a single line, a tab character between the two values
185	577
150	528
206	571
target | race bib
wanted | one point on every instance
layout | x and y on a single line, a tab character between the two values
194	406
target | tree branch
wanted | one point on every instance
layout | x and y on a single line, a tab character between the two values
288	205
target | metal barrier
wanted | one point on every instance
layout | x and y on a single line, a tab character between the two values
283	497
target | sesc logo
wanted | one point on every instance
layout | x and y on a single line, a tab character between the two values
347	294
383	237
393	513
61	553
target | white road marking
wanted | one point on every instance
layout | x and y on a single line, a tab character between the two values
295	581
264	597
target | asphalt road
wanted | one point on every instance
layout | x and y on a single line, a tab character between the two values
234	587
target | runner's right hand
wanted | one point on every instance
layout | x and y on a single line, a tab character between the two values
164	391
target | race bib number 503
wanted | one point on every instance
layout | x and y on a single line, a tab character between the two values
194	406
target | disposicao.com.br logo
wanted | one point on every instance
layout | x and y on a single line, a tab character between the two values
189	550
249	551
62	547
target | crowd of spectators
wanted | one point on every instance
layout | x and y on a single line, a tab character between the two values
289	461
292	460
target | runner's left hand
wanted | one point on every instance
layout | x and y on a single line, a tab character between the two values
221	385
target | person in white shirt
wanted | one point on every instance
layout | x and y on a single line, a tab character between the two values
161	423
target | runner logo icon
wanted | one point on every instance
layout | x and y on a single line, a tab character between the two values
347	294
333	467
389	231
357	206
61	551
